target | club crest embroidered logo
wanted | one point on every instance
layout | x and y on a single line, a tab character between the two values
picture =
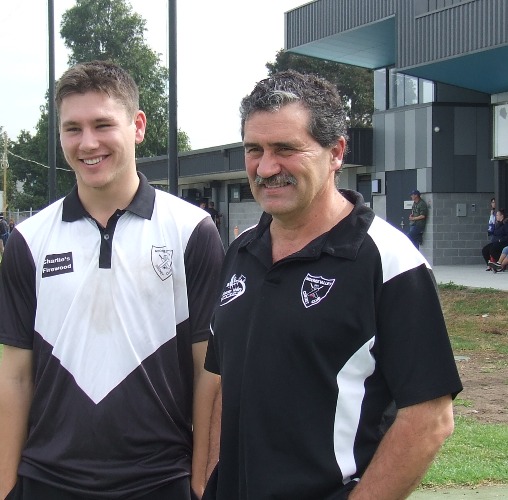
315	289
162	262
234	288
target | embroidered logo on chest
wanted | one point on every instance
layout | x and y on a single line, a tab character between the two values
315	289
234	288
162	262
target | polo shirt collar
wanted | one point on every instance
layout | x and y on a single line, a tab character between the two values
343	240
142	204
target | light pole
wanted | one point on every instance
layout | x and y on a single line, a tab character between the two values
172	102
51	105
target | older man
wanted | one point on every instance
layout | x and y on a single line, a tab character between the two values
308	332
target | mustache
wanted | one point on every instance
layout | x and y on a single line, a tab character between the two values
277	180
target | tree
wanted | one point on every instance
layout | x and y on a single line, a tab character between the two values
109	30
94	29
354	84
28	165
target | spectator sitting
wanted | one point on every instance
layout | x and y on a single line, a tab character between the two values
499	239
502	263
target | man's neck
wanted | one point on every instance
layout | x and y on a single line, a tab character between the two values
288	238
102	203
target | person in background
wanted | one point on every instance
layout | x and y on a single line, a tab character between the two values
498	239
492	217
307	334
417	218
502	263
12	225
214	213
103	393
4	233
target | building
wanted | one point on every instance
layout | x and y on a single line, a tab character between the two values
441	107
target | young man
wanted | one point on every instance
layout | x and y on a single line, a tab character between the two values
310	332
417	218
105	300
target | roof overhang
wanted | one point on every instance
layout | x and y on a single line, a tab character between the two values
370	46
483	71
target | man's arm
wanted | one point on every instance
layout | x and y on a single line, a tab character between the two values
206	388
16	390
406	451
215	427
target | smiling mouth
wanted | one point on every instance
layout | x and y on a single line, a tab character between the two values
276	181
93	161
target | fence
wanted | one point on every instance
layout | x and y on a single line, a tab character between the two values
18	216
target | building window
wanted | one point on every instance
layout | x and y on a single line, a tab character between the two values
410	90
380	90
403	90
425	91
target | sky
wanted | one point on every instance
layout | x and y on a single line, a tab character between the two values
223	46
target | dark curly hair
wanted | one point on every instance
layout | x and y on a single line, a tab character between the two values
327	117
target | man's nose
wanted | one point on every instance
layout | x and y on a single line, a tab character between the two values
268	165
89	140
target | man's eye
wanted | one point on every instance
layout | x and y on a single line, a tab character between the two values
285	149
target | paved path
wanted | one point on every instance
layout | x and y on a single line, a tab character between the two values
474	276
480	493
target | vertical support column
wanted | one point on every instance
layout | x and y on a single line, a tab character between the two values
501	183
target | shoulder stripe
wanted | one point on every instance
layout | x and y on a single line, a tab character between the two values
397	253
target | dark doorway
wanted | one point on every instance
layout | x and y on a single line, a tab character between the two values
399	185
364	187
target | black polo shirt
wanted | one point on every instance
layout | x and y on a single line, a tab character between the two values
313	349
111	315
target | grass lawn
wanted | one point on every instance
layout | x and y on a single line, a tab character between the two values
476	453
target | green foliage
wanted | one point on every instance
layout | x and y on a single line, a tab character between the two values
356	85
110	30
30	169
104	30
475	453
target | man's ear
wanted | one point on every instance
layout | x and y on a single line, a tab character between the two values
337	153
140	123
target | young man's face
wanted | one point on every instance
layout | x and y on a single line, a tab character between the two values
98	139
278	147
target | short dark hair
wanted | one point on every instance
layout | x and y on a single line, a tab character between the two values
327	117
99	76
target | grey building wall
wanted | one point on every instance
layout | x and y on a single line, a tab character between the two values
453	167
460	149
328	17
450	239
457	28
244	215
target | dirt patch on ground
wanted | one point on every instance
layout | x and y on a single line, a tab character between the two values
485	381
